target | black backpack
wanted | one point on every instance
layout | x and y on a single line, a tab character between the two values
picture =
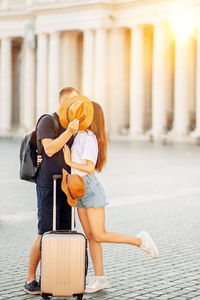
29	152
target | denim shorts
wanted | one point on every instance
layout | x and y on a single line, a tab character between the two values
94	193
45	209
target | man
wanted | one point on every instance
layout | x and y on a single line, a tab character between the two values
50	144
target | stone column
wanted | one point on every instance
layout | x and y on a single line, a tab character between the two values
4	4
88	63
42	75
29	79
118	81
197	129
70	66
54	71
140	79
29	2
6	85
184	83
162	82
29	89
100	68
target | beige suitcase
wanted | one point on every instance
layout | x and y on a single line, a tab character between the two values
63	260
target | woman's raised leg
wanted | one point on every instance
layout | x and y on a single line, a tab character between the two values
96	218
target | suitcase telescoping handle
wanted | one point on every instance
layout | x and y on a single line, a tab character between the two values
55	177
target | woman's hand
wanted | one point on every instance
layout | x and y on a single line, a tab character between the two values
67	155
73	126
39	159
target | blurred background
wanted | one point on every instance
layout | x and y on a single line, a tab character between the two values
139	59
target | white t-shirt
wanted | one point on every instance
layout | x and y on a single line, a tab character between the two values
85	147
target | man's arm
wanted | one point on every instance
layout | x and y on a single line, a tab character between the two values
53	146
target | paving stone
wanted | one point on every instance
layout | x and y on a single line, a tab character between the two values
155	188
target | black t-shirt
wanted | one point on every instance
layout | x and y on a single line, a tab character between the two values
50	165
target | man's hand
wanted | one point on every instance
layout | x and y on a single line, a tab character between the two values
67	155
73	126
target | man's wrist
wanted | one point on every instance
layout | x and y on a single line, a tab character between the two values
67	133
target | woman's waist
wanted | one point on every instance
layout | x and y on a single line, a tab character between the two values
90	176
82	174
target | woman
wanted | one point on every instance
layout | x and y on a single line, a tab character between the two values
88	155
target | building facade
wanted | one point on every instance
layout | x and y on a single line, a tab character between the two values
139	59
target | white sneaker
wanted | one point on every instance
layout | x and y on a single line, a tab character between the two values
96	285
148	244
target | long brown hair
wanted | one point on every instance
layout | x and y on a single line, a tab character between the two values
98	127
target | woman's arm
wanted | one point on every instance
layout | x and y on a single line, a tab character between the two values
89	167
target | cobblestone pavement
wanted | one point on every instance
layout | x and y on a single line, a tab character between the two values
151	187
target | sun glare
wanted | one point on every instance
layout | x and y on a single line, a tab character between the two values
183	24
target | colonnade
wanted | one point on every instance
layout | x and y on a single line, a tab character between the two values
145	77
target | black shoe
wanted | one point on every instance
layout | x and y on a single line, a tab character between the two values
32	288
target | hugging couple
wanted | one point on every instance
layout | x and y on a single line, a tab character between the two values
80	147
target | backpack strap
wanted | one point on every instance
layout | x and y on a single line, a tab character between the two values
55	121
36	126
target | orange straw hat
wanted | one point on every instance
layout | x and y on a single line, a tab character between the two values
78	107
73	186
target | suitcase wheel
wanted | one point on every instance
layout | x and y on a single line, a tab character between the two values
79	297
45	297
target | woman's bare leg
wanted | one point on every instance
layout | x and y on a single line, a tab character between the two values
96	218
95	248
